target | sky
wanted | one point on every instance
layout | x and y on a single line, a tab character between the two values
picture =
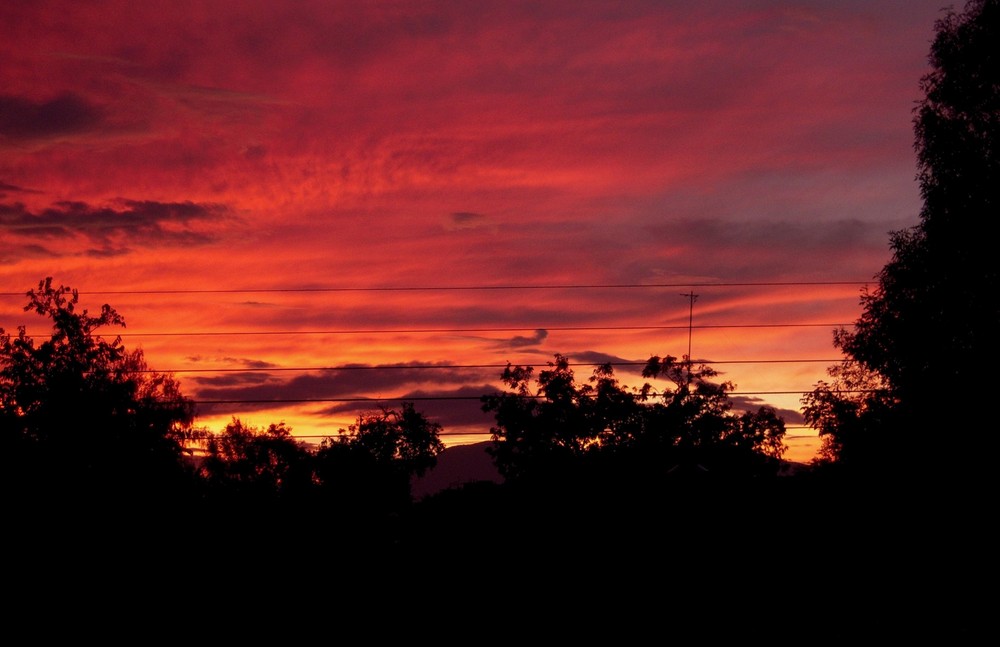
307	210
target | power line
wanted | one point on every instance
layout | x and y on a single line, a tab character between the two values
425	398
380	367
454	288
390	331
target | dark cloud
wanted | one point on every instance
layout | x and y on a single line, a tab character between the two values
238	380
10	188
13	254
261	389
229	361
455	408
520	341
23	119
468	220
249	363
745	403
451	408
148	223
597	358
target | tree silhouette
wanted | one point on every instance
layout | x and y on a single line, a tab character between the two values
931	325
701	430
370	466
543	430
81	415
256	464
560	426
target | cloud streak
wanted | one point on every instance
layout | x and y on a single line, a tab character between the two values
145	223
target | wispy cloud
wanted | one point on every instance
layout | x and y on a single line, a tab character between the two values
112	228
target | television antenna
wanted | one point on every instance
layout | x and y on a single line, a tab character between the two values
691	296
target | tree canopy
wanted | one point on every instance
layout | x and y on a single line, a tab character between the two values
931	325
244	461
373	462
79	412
561	425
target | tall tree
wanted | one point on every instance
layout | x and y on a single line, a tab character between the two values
930	327
80	414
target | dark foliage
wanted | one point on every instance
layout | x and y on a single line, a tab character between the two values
371	466
82	416
601	430
246	462
928	330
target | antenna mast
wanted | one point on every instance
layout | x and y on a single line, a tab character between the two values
691	296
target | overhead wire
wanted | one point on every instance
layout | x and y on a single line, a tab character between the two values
410	331
424	398
406	367
453	288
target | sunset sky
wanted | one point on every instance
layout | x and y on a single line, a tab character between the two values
415	194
